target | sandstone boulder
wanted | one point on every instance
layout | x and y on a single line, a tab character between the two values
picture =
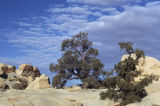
40	83
5	69
147	66
19	86
28	70
11	79
11	69
2	83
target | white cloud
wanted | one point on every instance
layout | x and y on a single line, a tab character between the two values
23	24
137	24
74	10
104	2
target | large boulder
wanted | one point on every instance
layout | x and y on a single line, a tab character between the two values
11	69
40	83
147	66
28	70
5	69
20	84
11	79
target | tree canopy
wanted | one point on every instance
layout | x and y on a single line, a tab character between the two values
78	61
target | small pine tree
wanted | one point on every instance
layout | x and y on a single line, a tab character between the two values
122	87
78	61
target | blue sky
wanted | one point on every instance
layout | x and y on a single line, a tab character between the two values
31	30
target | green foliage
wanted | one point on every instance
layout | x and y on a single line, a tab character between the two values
78	61
122	87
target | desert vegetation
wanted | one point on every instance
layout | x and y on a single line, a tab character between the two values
123	87
79	61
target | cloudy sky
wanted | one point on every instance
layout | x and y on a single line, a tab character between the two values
31	31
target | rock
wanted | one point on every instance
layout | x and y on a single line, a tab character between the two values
3	68
1	72
9	84
53	97
6	69
29	79
13	75
40	83
19	86
21	69
28	70
11	69
154	87
36	72
22	84
150	100
11	79
147	66
2	83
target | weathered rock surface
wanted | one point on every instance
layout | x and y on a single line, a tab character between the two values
65	97
147	66
52	97
2	83
5	69
11	69
21	78
40	83
28	70
154	87
12	78
151	100
21	84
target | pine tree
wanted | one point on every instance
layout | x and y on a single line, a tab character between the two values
78	61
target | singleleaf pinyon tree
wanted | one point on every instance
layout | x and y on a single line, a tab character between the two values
78	61
123	87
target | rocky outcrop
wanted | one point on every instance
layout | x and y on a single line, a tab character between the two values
11	69
53	97
5	69
147	66
21	84
40	83
19	79
28	71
